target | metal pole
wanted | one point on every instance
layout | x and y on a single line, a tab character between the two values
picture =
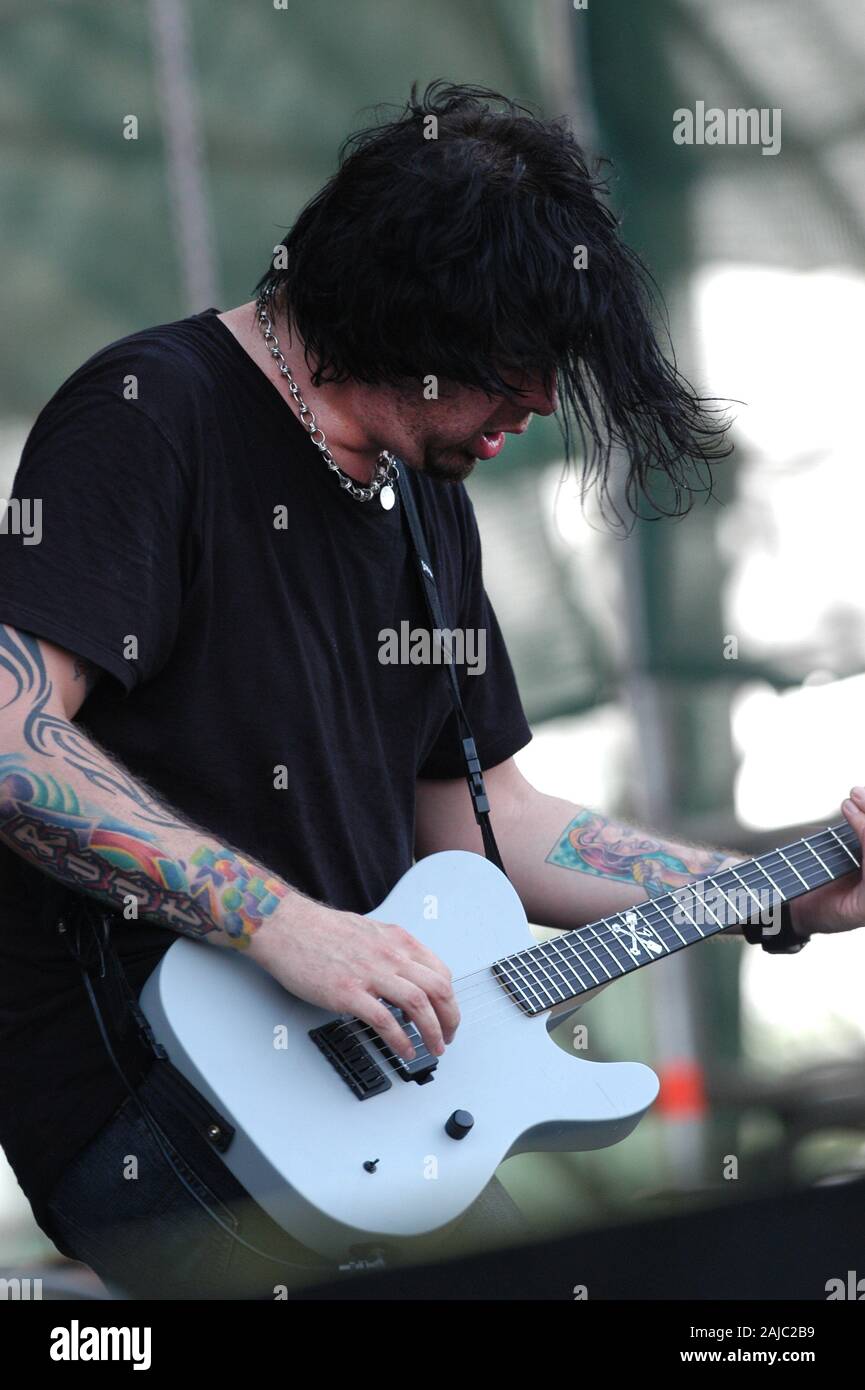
193	230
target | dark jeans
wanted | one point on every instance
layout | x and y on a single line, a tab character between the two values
120	1209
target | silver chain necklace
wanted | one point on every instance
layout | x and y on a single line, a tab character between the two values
386	472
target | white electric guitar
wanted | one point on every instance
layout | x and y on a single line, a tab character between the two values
344	1143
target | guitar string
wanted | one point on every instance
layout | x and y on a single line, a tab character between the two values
494	988
492	1013
491	984
603	938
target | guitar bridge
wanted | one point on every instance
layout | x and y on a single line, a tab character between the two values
347	1055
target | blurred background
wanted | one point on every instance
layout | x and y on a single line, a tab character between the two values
704	677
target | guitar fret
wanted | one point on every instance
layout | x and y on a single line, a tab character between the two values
641	914
568	984
795	870
844	847
585	964
526	959
519	986
605	924
672	925
625	926
747	889
657	904
837	856
732	906
707	905
554	971
500	968
600	963
785	876
766	874
823	866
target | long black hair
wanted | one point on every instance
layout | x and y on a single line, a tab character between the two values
447	244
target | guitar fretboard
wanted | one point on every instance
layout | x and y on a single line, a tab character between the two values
552	971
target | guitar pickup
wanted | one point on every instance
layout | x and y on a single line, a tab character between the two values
422	1065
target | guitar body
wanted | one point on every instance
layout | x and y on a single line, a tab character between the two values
304	1135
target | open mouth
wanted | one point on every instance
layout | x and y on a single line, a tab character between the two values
486	446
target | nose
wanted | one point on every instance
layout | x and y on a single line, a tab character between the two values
548	392
541	395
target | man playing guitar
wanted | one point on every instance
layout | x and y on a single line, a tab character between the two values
197	729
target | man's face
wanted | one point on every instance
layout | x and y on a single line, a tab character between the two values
445	437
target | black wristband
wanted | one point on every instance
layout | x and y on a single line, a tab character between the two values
784	942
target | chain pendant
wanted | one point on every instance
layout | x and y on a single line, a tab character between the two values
386	494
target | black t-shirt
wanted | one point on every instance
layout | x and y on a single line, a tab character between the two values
161	466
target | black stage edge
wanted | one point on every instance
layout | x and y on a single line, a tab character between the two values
782	1247
745	1284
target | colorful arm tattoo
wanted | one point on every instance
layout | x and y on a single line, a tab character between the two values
87	847
595	845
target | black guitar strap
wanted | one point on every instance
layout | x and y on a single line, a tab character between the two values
474	775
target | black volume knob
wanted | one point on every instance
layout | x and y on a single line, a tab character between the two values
459	1124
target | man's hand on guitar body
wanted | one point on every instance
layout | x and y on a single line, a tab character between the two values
58	793
348	964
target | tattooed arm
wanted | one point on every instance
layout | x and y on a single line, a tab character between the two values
68	809
71	811
570	865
